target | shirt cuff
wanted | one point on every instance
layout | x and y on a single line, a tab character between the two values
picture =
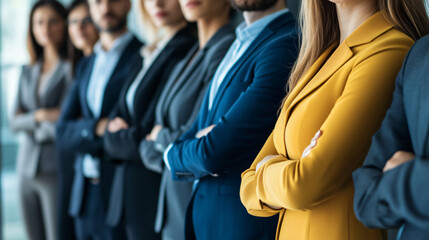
166	156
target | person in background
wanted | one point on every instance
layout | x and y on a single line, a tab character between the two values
238	111
340	89
92	98
134	195
391	186
179	104
82	32
42	87
82	37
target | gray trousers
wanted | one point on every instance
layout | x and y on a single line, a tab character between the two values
38	198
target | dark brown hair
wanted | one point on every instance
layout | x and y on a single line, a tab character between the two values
34	49
75	54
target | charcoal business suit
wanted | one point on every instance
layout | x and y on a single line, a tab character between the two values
399	197
176	110
244	111
76	131
134	195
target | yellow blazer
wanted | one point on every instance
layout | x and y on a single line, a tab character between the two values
345	96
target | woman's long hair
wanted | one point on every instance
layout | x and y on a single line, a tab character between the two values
75	54
34	49
320	29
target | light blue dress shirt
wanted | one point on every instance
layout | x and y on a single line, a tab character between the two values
104	64
245	36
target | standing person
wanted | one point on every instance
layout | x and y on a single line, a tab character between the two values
82	37
93	96
179	104
42	88
238	111
391	187
134	195
340	89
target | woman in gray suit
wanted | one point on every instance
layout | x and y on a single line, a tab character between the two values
179	103
43	85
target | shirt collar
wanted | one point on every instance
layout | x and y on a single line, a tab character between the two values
246	33
118	45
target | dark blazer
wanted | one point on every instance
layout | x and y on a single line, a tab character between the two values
244	111
37	152
135	188
176	110
76	126
399	197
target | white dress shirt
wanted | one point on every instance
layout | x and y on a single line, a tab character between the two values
104	64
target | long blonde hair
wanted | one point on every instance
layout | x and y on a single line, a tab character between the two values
151	32
320	28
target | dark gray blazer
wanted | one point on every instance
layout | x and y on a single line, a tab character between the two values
37	150
176	110
399	198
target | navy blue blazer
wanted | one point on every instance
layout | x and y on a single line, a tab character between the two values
76	125
135	189
400	197
244	111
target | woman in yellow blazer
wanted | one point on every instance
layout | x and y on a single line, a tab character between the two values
341	87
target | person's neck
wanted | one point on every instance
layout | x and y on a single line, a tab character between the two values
108	38
352	15
173	29
253	16
208	27
87	50
50	57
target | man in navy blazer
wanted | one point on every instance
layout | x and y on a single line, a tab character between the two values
236	116
391	189
93	96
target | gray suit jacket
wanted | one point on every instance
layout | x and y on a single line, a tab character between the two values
176	110
37	149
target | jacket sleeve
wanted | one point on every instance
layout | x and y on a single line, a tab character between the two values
248	194
75	132
22	120
304	183
385	200
46	130
245	126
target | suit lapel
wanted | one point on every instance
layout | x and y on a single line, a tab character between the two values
326	65
53	81
86	76
264	35
115	82
34	85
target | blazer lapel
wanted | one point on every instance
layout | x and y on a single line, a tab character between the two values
124	64
58	75
326	65
86	76
265	34
34	85
259	40
184	76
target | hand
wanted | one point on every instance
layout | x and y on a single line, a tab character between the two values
312	145
44	114
153	135
100	128
117	124
397	159
204	132
265	160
